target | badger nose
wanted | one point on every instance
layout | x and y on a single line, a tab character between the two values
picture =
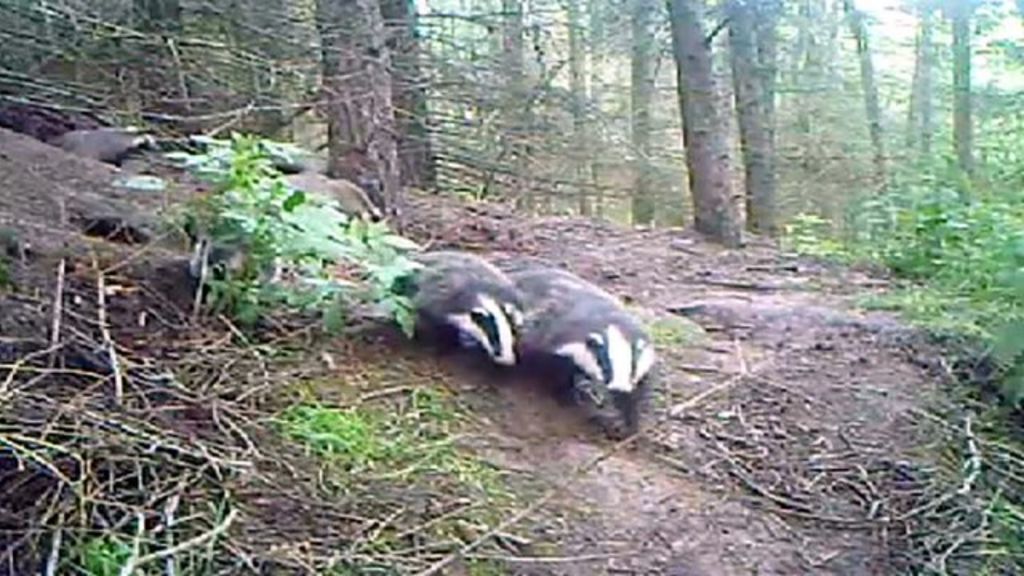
506	359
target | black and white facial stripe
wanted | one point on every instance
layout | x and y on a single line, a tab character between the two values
492	326
610	359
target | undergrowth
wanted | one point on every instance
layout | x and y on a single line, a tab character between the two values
958	257
407	443
265	244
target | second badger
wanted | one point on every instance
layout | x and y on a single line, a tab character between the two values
460	299
586	340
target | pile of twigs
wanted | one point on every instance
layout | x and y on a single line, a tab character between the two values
131	432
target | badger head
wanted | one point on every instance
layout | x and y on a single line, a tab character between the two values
610	365
492	326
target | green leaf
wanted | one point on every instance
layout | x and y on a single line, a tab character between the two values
296	199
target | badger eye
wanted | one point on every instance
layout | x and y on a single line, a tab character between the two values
478	316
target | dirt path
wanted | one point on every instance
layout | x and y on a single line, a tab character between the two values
787	462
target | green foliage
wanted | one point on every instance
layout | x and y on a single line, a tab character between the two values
402	443
810	234
962	251
104	556
276	228
673	331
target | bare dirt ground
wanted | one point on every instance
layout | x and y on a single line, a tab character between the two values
785	440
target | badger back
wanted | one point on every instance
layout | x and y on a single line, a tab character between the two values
565	310
111	145
451	281
465	292
352	199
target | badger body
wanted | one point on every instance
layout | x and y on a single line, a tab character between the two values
350	196
110	145
461	300
585	341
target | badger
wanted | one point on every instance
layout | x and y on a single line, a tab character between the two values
352	198
110	145
462	300
584	339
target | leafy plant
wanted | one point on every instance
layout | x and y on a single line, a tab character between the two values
103	556
271	230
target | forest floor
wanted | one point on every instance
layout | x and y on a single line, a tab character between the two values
789	435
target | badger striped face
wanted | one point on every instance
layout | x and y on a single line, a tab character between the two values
491	326
609	358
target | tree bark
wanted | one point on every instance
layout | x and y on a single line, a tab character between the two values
755	142
516	94
704	132
408	94
641	99
595	21
963	136
921	111
578	93
867	77
361	121
767	38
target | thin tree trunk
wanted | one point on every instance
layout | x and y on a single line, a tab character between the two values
361	121
926	96
595	90
516	92
578	90
914	109
704	132
962	121
755	140
919	116
408	94
870	87
767	39
641	98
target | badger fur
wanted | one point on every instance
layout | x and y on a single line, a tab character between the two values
350	196
110	145
585	339
460	299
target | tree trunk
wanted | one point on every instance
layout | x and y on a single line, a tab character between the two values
926	98
595	27
516	96
755	141
704	132
361	121
767	39
962	121
641	99
408	94
578	93
868	84
919	116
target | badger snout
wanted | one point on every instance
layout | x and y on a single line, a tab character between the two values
505	359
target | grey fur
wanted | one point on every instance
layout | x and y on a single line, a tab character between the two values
110	145
450	282
563	308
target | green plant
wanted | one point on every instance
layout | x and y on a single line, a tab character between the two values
399	442
810	234
278	229
674	331
103	556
